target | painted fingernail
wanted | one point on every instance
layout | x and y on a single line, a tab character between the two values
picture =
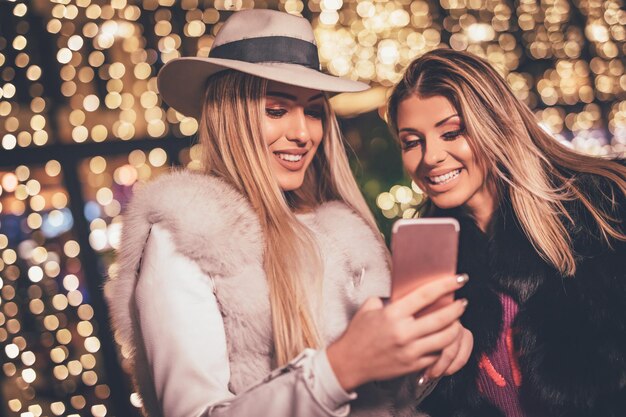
462	279
422	380
464	302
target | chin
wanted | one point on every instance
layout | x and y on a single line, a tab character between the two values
446	202
290	184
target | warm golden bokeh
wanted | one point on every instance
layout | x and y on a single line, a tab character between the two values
84	72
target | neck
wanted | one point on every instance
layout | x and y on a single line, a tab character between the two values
482	218
481	208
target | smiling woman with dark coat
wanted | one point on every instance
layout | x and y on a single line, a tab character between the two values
542	229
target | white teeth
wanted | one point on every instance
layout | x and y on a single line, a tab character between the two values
442	179
289	157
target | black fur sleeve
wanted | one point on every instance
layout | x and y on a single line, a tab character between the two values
573	329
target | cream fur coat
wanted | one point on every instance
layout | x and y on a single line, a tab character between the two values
215	226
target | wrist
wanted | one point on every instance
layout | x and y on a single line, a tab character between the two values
339	361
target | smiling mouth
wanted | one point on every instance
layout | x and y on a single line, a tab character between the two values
445	178
289	157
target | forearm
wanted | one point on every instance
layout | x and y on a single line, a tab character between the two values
306	386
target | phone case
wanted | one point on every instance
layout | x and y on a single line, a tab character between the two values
422	250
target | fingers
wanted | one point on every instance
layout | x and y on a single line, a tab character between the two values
426	294
465	350
432	344
447	357
425	362
437	320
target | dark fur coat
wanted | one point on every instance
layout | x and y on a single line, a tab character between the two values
570	332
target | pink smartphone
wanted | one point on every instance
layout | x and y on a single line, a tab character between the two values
422	250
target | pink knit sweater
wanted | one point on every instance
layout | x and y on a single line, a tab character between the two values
499	377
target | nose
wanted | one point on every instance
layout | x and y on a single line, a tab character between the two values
434	152
298	127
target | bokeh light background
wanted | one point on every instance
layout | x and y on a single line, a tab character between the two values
82	125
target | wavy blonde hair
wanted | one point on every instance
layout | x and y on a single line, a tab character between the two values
528	164
235	150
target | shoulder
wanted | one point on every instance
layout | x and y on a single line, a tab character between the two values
185	193
197	216
209	221
162	265
337	217
600	256
606	196
600	189
337	213
351	232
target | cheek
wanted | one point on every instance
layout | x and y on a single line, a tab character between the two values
476	176
463	152
466	156
316	132
411	161
272	129
316	127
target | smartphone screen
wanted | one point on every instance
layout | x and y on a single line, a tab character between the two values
422	250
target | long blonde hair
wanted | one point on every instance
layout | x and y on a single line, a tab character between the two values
537	172
235	150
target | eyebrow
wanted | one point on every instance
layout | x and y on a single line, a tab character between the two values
291	97
439	123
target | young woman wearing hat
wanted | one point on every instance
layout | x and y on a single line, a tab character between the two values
252	289
542	234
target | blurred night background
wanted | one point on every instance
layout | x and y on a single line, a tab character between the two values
82	125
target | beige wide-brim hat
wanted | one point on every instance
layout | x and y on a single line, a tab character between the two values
266	43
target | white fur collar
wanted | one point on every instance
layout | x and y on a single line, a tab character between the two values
202	212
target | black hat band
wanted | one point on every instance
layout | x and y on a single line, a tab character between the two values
281	49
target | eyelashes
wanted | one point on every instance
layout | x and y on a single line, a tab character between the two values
315	114
277	113
408	144
411	141
453	134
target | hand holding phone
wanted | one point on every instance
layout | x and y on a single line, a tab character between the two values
423	250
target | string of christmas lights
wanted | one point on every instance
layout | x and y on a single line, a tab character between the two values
83	72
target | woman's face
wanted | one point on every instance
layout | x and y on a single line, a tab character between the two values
437	156
293	130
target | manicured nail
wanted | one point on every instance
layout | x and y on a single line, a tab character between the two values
464	302
422	380
462	279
